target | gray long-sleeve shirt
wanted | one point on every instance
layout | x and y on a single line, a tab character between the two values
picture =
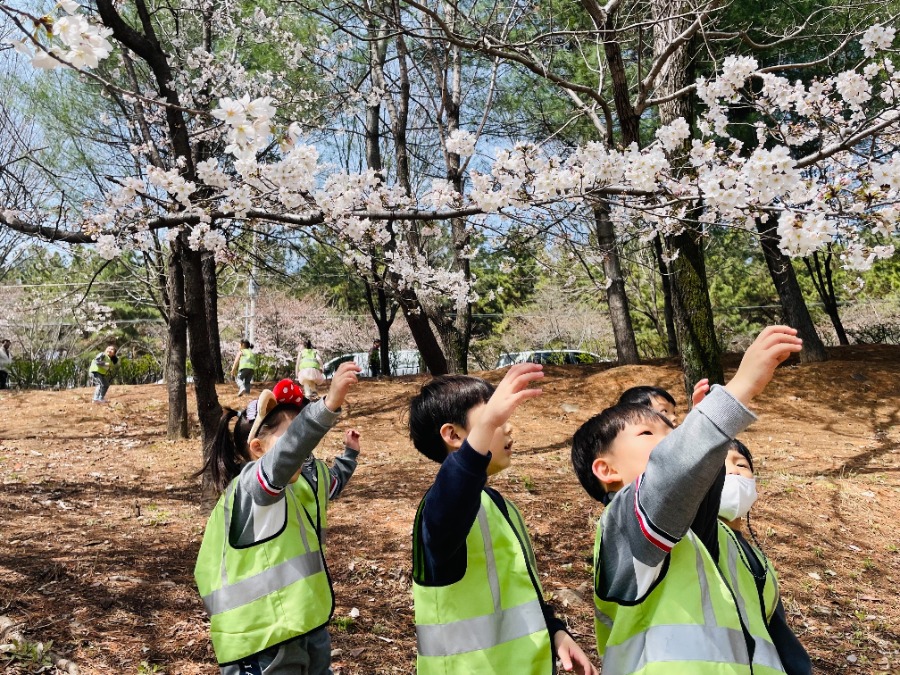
259	511
649	516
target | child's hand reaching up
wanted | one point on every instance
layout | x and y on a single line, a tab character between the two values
512	390
351	439
773	345
571	656
343	379
701	389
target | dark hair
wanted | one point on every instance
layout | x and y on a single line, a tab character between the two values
245	344
230	449
595	437
739	447
643	395
309	344
445	400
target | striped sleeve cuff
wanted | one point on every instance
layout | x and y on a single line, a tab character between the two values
655	535
268	487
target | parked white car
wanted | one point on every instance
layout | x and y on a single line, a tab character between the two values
403	362
554	357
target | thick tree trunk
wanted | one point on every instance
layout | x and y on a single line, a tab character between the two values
793	306
208	409
422	333
668	310
700	353
176	351
694	325
211	298
623	330
824	282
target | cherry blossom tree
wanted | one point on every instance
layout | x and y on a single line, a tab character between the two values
220	144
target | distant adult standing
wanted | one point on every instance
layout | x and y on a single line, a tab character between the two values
375	358
309	370
5	363
102	368
244	367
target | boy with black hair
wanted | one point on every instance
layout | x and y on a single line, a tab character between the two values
653	397
663	602
479	605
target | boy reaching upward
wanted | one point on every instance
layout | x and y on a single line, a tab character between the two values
663	604
479	606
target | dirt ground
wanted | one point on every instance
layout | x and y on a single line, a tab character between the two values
101	520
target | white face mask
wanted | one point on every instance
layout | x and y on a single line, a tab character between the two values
738	495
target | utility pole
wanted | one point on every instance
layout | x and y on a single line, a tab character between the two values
253	289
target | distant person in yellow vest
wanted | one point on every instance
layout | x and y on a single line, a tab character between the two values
309	371
244	367
102	369
5	363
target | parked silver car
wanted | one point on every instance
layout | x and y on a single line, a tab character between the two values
553	357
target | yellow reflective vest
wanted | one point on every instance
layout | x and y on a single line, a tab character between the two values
261	595
308	359
249	360
691	622
491	620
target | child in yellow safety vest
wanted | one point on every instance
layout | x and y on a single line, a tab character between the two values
244	367
666	601
479	606
101	371
261	568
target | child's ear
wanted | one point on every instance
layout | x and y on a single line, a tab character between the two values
452	435
605	472
256	449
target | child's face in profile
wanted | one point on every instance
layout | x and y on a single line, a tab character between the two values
736	463
628	455
501	443
664	408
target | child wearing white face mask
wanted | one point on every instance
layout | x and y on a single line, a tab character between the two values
738	496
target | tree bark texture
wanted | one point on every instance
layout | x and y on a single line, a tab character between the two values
694	325
700	353
208	409
176	351
211	297
793	306
623	330
668	310
820	272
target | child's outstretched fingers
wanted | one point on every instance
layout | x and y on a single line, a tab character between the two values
773	345
351	439
701	389
344	378
571	657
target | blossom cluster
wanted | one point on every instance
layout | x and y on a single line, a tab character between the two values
70	40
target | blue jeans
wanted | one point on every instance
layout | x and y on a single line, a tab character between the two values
102	385
244	379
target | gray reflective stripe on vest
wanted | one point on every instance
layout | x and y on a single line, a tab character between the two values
481	632
765	652
260	585
683	642
490	560
709	614
605	619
